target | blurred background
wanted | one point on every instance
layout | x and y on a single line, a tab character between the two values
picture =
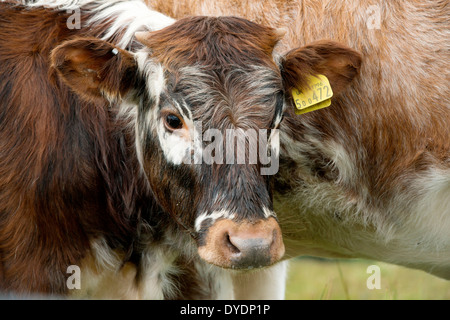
334	279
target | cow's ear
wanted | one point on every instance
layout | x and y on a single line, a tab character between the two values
94	68
338	63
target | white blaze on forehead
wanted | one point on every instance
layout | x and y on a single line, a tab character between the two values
215	215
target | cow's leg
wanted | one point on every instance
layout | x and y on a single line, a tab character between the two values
264	284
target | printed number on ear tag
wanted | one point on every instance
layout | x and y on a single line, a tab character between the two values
317	96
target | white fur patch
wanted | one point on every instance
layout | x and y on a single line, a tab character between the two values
159	269
128	110
268	213
278	119
217	280
103	276
342	160
224	214
176	145
59	4
104	256
215	215
152	72
180	145
274	141
130	17
429	223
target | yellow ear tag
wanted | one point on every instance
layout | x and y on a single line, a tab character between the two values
317	96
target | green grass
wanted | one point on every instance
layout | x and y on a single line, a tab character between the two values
314	279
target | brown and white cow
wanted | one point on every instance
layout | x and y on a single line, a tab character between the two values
99	162
370	175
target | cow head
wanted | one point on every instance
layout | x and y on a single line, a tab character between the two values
195	89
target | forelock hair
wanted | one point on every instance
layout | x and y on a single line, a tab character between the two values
214	42
235	97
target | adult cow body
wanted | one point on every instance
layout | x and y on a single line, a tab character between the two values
369	176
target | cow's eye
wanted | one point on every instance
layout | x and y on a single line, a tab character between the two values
173	122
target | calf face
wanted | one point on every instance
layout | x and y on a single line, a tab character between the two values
206	96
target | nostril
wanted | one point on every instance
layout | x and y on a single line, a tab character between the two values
231	246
